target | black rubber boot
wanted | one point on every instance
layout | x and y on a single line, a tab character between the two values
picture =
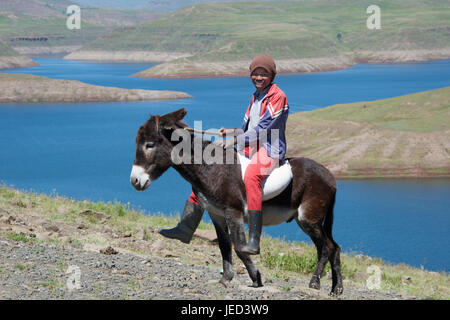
192	215
255	227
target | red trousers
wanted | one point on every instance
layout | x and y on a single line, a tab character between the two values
258	169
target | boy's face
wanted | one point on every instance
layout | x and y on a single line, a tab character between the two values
261	78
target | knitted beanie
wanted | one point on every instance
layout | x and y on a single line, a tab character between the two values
265	61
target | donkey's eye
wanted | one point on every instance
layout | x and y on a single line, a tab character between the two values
149	145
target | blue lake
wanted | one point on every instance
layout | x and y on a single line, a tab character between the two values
85	150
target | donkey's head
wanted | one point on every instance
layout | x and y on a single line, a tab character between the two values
153	148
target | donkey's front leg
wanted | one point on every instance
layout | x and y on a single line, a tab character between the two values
235	222
225	247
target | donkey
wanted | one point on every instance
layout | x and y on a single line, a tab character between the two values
308	198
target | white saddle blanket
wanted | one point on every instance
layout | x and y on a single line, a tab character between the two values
276	182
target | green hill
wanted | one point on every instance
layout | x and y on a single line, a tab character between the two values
218	32
406	136
32	24
154	5
89	12
6	51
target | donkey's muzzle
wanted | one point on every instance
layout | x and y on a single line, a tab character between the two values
139	179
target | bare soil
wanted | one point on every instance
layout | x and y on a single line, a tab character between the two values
42	258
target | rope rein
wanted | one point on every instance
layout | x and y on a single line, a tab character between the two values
211	133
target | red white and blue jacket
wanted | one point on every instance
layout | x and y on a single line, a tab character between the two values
274	114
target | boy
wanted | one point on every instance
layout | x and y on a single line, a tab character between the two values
267	111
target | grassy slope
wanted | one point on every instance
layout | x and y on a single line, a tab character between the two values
39	18
403	136
233	31
89	13
6	51
278	258
53	28
10	58
155	5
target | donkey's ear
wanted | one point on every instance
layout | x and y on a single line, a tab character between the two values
170	120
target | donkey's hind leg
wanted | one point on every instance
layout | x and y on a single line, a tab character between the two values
322	252
235	222
335	260
223	236
315	231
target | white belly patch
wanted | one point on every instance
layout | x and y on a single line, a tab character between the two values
275	183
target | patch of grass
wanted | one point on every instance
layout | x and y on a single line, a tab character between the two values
61	265
134	284
290	262
19	237
113	208
304	261
21	204
70	218
20	267
391	280
51	284
287	288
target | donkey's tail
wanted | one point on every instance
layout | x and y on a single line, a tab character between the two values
328	223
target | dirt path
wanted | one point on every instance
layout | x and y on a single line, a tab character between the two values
41	259
48	271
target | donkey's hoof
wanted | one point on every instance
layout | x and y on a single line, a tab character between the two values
315	283
336	291
256	285
225	280
249	250
257	281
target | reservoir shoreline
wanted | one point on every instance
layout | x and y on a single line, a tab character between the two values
27	88
178	65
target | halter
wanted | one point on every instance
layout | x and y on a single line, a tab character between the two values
157	122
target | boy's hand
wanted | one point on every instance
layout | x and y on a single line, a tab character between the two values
222	132
226	143
226	132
